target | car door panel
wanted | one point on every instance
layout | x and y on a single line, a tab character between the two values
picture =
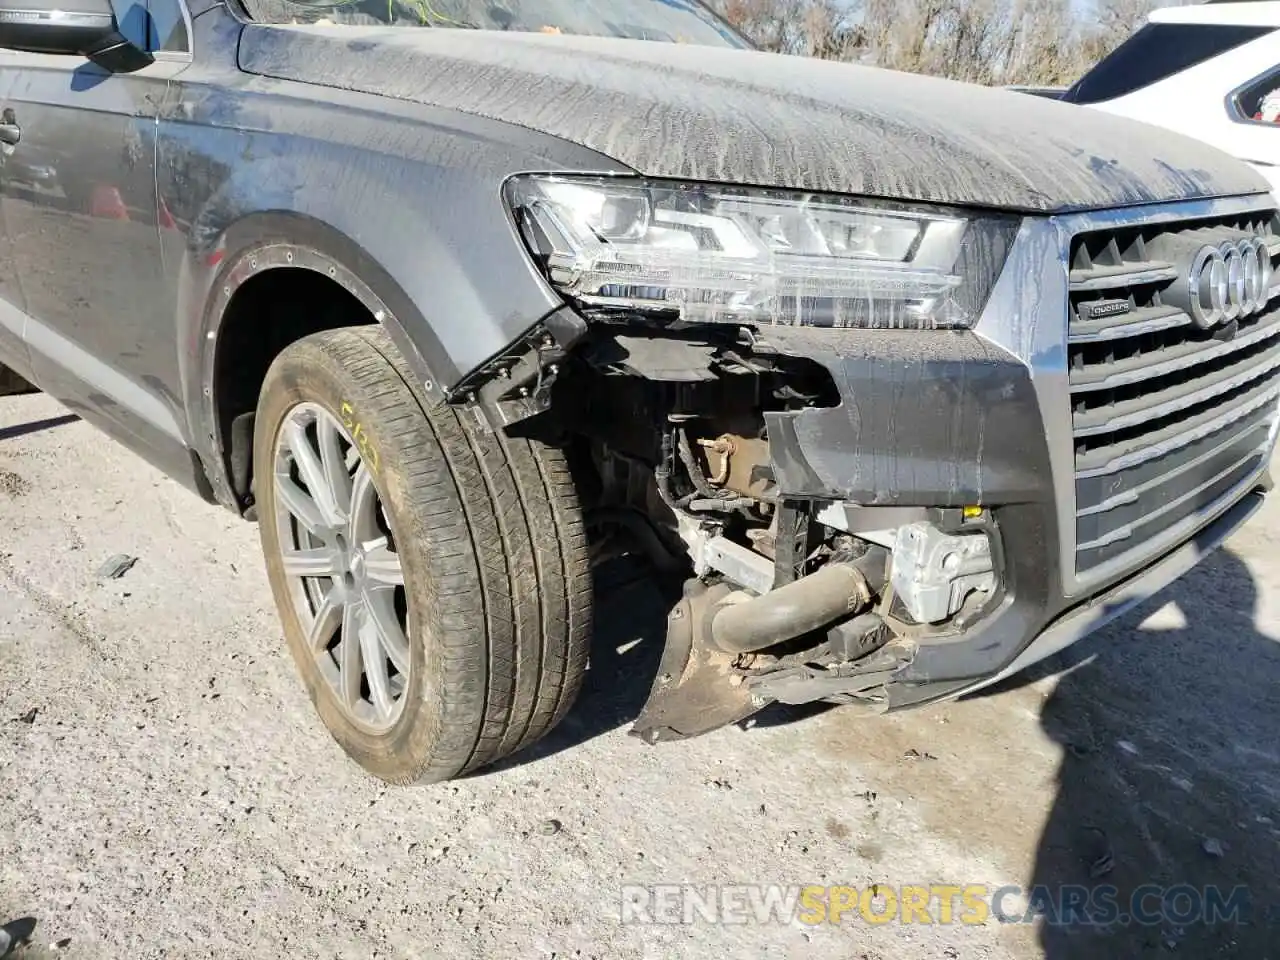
85	245
13	350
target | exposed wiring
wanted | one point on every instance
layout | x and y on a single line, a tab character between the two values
692	467
662	475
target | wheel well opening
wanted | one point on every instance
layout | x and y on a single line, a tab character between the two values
270	311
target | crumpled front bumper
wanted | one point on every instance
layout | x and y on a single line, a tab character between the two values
932	419
935	420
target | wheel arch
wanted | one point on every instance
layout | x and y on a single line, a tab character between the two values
255	248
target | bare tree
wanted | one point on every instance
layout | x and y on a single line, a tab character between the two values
1043	43
828	30
1116	19
771	25
983	41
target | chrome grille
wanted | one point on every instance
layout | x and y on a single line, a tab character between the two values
1171	422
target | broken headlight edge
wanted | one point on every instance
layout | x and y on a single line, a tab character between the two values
714	253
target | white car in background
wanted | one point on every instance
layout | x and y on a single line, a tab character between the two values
1208	71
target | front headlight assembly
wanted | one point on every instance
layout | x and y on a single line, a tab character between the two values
709	253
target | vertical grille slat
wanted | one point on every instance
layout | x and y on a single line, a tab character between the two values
1171	421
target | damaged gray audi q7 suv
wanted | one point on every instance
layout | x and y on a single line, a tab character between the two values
913	382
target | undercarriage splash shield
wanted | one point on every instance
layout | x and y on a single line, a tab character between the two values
696	689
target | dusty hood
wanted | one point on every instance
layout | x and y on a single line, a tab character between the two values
669	110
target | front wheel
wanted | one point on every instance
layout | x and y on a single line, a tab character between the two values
431	574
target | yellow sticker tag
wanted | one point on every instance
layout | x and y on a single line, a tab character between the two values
360	436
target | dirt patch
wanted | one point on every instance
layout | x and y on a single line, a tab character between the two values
13	484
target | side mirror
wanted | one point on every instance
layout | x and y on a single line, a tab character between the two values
82	28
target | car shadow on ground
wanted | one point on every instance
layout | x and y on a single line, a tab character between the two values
1163	832
36	426
632	603
1166	806
15	935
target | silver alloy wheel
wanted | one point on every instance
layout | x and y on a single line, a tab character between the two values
339	555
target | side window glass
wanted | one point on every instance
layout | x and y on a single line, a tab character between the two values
1157	51
168	27
1259	100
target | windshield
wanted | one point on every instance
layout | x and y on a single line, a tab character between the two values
673	21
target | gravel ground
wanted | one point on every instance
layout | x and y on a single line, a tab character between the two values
165	789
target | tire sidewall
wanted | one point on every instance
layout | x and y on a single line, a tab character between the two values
307	374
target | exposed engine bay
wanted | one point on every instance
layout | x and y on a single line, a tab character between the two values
787	598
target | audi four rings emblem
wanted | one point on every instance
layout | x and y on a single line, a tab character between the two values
1229	281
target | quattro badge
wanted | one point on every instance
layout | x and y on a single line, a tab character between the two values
1099	309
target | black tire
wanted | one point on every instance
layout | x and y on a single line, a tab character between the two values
491	541
11	383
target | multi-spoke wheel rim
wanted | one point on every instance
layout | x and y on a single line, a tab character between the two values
338	551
